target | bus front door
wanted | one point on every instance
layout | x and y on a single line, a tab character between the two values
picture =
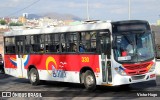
105	57
19	56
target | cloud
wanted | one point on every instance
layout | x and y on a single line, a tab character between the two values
98	5
13	3
16	0
98	8
75	5
119	11
81	5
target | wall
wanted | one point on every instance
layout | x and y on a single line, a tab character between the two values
158	67
1	43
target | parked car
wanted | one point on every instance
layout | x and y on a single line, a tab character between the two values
1	64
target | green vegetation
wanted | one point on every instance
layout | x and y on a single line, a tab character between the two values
3	22
15	24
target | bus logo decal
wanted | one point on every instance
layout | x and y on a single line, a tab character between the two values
58	72
49	60
25	59
13	61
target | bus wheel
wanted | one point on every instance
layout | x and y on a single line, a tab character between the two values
125	86
89	80
34	77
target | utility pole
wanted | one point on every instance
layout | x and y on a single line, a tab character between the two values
129	9
88	11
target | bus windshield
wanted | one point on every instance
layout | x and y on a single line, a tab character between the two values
133	47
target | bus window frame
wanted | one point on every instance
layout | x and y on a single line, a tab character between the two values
109	45
52	42
9	45
97	51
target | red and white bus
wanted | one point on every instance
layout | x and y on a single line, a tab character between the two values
102	53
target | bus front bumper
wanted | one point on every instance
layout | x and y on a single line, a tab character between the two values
121	80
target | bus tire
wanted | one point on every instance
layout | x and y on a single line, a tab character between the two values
125	86
34	76
89	80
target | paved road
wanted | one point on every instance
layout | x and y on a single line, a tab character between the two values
61	90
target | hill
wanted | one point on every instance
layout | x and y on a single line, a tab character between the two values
54	15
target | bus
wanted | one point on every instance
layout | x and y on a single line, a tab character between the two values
100	53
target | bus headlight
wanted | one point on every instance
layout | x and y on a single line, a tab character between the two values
152	68
120	70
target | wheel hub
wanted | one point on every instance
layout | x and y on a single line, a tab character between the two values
33	77
89	80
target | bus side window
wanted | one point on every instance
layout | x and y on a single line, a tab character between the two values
88	41
27	48
10	45
73	47
105	43
10	49
52	48
36	48
81	49
59	47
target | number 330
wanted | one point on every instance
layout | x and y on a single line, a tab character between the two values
85	59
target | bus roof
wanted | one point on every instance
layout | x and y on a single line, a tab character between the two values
74	28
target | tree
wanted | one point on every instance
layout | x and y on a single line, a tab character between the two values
3	22
15	24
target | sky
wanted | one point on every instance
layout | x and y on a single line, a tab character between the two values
98	9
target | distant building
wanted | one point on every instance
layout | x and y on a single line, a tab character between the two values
22	19
7	20
156	29
25	15
75	23
14	20
3	26
49	22
158	22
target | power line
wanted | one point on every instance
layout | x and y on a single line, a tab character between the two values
23	8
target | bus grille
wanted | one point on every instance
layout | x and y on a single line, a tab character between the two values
137	69
136	66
